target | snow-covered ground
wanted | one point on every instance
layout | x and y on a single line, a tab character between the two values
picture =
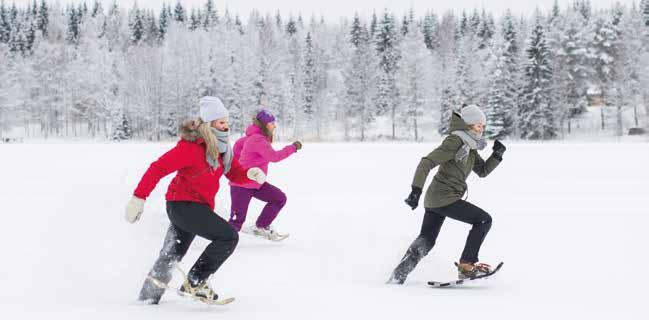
570	221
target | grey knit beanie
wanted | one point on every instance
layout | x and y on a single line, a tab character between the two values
212	108
472	114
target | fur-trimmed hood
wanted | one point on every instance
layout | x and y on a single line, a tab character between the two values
188	130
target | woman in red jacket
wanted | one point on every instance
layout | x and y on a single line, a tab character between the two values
201	157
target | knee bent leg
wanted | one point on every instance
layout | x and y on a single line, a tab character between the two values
281	199
485	223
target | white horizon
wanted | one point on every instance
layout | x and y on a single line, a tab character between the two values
332	10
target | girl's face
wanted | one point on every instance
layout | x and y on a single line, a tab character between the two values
220	124
271	127
477	128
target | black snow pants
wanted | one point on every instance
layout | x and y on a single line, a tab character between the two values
190	219
433	219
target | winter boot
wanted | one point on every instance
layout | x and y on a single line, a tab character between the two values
417	250
268	233
199	289
469	270
161	271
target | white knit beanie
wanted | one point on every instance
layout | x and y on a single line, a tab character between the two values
212	108
472	114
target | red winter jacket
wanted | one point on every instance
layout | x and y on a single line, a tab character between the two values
195	181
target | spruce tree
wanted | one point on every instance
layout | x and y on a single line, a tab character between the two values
430	29
310	80
97	9
291	26
194	19
163	22
537	114
137	25
121	129
73	32
210	15
358	79
43	20
5	26
448	104
179	13
501	99
386	40
603	55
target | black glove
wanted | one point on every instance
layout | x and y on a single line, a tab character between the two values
298	145
413	198
499	150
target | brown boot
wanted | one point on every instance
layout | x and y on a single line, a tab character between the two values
468	270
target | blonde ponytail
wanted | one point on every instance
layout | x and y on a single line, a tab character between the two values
196	128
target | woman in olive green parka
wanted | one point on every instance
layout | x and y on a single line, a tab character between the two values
456	157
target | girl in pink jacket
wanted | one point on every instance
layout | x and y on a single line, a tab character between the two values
255	150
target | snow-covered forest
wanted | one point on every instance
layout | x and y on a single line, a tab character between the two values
108	72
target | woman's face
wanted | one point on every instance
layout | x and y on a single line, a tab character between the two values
220	124
477	128
271	127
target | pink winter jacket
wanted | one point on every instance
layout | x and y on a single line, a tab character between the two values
255	150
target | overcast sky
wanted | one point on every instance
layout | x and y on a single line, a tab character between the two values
333	9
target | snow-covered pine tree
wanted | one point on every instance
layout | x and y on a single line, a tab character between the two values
83	10
386	41
537	114
408	22
309	81
152	30
603	54
430	29
113	27
628	86
414	79
645	12
572	71
179	13
5	24
465	83
163	22
42	19
374	24
584	8
74	34
501	97
448	104
121	129
475	21
463	27
358	80
513	65
210	16
137	25
486	29
194	19
97	8
555	14
29	32
291	26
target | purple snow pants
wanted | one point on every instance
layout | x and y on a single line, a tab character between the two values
274	197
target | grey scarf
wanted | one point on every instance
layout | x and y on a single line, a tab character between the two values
223	144
471	141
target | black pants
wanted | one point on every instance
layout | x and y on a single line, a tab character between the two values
189	219
433	219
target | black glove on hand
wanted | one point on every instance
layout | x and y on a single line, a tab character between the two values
413	198
298	145
499	149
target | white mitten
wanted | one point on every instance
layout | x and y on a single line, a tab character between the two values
134	209
257	175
